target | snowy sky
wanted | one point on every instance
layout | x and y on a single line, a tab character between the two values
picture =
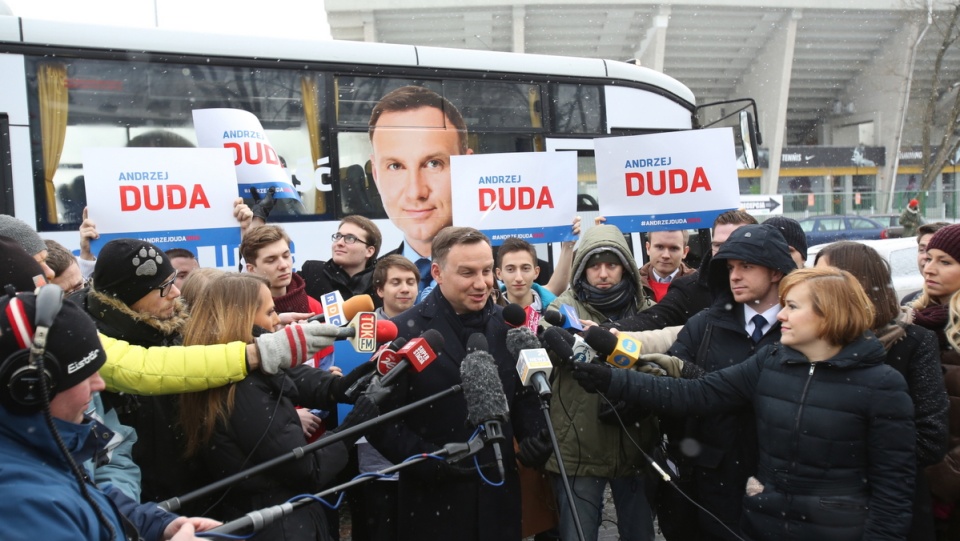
291	18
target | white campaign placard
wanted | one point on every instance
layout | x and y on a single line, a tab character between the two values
172	197
530	195
258	165
667	181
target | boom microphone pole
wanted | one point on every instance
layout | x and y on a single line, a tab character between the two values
175	503
451	452
520	340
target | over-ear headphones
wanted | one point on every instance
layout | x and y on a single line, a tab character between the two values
24	372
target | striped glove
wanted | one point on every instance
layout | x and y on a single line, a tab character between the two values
293	345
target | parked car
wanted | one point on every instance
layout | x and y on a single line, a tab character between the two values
901	254
824	229
892	223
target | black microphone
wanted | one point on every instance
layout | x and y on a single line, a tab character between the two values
561	343
553	317
514	315
417	352
483	391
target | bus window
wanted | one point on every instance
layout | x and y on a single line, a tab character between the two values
114	103
356	96
496	105
575	108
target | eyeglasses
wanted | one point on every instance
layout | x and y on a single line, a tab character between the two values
349	239
165	287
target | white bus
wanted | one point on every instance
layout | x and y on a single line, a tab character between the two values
65	87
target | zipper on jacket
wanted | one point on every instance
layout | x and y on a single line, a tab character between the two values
803	401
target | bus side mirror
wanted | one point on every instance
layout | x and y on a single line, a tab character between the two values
750	138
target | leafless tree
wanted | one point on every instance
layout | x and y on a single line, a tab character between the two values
945	24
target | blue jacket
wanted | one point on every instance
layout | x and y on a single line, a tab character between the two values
39	495
546	296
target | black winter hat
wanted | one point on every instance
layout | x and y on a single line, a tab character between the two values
18	268
72	340
129	269
757	244
792	233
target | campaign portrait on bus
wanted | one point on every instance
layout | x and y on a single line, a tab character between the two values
413	133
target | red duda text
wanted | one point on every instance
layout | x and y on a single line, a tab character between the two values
162	196
253	153
671	181
519	198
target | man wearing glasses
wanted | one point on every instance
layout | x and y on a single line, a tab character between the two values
132	297
356	245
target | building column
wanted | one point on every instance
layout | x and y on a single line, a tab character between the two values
652	49
369	27
519	29
878	94
768	82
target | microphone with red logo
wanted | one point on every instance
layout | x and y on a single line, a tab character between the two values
386	357
416	353
517	316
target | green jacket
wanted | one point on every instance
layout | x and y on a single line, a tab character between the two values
590	447
910	220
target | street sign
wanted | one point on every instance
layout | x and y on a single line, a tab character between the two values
762	205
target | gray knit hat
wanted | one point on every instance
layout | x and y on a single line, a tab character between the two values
22	233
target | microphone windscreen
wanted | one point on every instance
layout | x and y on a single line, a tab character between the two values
386	330
356	304
476	342
601	340
398	343
514	315
556	341
482	389
434	339
554	318
520	339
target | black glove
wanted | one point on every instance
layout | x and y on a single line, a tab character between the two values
262	207
593	377
362	411
340	386
535	450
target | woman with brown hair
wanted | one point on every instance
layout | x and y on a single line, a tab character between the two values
242	424
914	352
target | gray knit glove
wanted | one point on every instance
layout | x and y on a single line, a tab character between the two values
293	345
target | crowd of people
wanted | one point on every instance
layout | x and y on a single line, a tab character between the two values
780	402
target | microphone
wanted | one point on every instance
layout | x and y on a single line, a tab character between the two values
368	330
363	329
560	342
386	357
533	363
340	312
483	391
418	353
566	318
514	315
621	350
570	347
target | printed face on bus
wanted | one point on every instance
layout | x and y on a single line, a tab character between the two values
411	167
